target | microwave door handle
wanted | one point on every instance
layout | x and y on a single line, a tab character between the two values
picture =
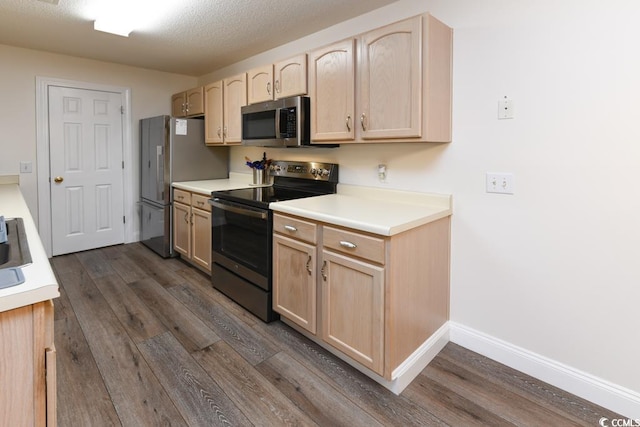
278	118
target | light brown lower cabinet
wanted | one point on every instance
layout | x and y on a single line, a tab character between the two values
375	299
28	366
192	228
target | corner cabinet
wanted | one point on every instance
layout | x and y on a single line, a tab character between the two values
188	103
223	101
390	84
375	299
192	228
28	356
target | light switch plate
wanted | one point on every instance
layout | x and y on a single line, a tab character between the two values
502	183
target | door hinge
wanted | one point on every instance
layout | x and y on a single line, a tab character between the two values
124	219
121	109
123	164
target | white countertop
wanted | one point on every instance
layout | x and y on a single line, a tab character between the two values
40	283
379	211
235	180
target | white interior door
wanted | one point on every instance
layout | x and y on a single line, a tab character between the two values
85	146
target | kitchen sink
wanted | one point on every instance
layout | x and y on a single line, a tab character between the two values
15	252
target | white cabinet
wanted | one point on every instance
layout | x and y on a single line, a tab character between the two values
223	101
280	80
394	85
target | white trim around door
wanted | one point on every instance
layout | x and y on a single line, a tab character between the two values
42	154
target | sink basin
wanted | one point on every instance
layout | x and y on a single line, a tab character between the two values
15	253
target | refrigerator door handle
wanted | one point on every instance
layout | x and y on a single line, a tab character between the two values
160	172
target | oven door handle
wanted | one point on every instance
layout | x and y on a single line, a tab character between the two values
239	210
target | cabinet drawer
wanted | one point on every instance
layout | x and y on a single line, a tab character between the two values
296	228
182	196
201	202
360	245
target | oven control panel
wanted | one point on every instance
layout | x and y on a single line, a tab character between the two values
305	170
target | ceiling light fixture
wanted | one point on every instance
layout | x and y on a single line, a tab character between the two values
121	17
118	28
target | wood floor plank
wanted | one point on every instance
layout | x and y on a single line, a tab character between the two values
382	404
195	277
566	404
313	395
192	332
198	398
245	340
137	396
476	388
82	397
127	269
95	264
62	305
260	401
134	315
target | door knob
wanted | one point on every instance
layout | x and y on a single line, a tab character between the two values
58	179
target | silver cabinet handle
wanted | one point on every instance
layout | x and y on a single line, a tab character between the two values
269	88
309	265
191	218
349	245
323	271
276	86
200	203
219	131
362	117
290	228
349	123
186	217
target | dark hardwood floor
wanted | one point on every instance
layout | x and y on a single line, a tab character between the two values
143	341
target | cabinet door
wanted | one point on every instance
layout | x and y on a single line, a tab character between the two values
260	84
201	238
213	118
353	308
235	97
178	104
390	95
290	77
294	281
331	89
195	101
182	229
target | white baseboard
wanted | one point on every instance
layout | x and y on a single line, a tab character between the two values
611	396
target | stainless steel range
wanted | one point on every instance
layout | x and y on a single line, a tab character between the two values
242	227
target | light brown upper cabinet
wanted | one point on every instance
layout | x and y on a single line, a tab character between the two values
283	79
394	86
332	92
223	101
188	103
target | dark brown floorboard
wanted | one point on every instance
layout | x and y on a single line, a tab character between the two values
147	341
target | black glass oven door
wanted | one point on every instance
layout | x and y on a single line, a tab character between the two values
241	234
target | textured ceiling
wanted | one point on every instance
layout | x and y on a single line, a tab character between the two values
194	38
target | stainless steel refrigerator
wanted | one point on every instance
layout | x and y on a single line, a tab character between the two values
172	150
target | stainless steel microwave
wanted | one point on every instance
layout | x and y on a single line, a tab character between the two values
280	123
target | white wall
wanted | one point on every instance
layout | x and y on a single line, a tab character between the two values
150	96
554	268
